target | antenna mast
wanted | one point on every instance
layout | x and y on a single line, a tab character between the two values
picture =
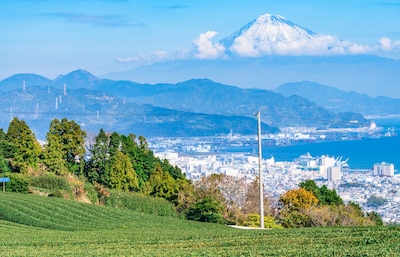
260	172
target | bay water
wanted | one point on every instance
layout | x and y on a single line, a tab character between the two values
361	154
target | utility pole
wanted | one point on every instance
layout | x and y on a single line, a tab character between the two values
260	177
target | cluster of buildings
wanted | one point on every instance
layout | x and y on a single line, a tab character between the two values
202	159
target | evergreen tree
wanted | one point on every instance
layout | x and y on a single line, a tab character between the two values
52	156
22	147
4	166
206	210
146	159
71	140
174	171
375	218
97	166
311	186
114	145
329	196
325	195
162	184
2	142
122	175
131	148
143	159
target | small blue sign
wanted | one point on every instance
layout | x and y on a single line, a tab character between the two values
4	179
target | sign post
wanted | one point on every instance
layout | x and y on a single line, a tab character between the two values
4	180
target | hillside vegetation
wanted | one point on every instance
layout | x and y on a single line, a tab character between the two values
30	226
121	171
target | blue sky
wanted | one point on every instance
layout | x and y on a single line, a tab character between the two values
55	37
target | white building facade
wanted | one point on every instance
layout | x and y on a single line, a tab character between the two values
383	169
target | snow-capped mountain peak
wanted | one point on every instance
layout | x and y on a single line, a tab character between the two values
273	34
269	28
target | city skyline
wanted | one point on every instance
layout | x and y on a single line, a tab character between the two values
53	37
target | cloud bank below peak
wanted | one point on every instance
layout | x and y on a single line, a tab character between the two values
320	45
275	35
270	35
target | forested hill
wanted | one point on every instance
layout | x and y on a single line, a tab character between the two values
197	107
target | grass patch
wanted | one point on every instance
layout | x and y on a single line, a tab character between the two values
140	203
39	226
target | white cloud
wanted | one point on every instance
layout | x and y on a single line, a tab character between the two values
387	45
206	49
317	45
245	47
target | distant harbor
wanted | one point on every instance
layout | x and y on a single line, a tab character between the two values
362	147
355	185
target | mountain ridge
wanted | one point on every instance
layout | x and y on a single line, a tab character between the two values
193	107
361	73
338	100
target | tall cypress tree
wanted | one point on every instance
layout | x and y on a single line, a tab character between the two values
72	142
122	174
97	168
52	157
23	148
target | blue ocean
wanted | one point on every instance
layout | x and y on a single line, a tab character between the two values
362	154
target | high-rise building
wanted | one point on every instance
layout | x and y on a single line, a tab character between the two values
334	173
383	169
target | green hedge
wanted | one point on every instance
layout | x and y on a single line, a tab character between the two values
141	203
51	182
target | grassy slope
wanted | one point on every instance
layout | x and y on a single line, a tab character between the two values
39	226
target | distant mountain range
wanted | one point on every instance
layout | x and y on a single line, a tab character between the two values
337	100
197	107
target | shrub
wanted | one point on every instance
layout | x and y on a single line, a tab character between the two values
253	220
91	192
141	203
206	210
295	219
375	218
56	193
18	183
51	182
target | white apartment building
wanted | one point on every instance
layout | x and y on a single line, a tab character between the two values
333	173
383	169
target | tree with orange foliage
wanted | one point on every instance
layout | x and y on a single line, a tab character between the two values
298	199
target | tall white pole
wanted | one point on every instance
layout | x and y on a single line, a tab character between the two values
260	172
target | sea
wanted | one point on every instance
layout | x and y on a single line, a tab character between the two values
361	154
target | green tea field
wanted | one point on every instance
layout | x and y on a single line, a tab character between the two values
40	226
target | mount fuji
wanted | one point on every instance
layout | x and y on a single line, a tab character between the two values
271	50
275	35
266	34
270	28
